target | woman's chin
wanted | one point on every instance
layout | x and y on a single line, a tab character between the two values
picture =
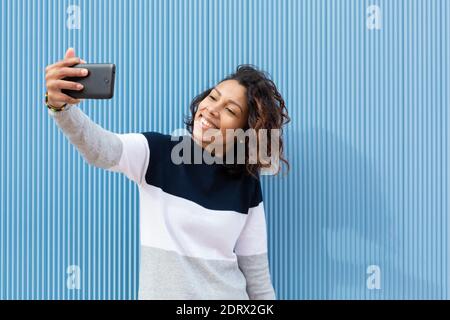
204	136
198	136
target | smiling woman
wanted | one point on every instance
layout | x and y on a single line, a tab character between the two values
203	231
246	99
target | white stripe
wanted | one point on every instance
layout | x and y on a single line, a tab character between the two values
177	224
253	239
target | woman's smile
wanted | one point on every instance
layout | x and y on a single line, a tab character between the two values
207	124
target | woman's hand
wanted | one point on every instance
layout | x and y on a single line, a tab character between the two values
61	69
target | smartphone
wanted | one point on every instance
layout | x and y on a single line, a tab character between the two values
98	84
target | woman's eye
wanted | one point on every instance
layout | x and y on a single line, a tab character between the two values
228	109
231	111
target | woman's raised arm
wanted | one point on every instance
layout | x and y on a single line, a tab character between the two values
125	153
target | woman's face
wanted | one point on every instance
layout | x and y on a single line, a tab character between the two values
224	108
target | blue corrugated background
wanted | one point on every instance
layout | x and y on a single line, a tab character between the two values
367	143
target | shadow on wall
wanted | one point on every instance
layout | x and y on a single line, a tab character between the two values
347	225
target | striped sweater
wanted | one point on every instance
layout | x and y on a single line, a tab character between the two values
202	231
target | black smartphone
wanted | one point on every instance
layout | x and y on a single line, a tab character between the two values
98	84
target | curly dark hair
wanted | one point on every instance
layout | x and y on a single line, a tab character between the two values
266	110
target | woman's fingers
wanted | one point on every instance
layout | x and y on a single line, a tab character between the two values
59	73
64	63
54	74
63	84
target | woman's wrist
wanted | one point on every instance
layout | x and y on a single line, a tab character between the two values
54	107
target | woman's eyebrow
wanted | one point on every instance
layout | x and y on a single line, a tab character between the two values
232	101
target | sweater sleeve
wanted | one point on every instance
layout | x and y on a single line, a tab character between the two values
124	153
251	251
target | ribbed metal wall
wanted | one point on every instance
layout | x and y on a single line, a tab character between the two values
367	143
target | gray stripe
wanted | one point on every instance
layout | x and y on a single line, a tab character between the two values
99	147
168	275
256	271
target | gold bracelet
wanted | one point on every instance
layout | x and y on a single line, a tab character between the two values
52	107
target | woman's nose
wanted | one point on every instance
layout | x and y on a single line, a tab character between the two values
214	110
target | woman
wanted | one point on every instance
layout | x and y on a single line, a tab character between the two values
202	226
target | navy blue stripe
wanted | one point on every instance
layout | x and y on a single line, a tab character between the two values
209	185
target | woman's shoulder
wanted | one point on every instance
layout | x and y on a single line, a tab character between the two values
257	196
158	142
154	136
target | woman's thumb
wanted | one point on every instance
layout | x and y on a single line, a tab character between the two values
70	53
